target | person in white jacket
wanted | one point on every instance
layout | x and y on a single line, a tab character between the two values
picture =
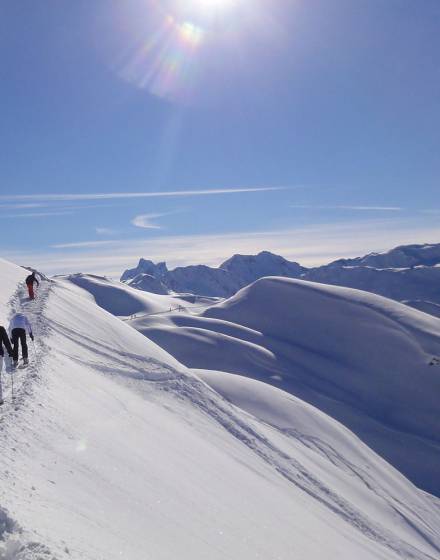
19	327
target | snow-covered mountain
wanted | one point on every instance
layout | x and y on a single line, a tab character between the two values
113	448
409	272
148	283
418	283
404	256
248	268
146	267
224	281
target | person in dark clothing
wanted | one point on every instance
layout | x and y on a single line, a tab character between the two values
30	281
4	340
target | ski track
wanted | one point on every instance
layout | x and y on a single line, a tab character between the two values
292	470
23	379
18	386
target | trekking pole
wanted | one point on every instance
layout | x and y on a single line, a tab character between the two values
35	351
12	384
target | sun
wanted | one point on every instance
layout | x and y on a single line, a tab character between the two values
215	3
209	6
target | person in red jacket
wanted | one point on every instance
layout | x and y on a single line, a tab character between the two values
30	281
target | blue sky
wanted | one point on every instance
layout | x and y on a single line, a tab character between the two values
310	128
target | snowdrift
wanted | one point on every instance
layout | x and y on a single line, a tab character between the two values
10	276
360	358
120	299
112	449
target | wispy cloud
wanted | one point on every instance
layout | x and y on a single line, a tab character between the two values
311	246
85	244
37	214
50	197
23	206
145	221
347	207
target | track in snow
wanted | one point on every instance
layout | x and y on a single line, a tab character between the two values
17	383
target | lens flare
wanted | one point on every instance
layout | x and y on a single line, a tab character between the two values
168	60
191	34
164	64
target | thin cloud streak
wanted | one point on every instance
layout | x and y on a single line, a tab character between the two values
106	196
23	206
344	207
37	214
86	244
144	221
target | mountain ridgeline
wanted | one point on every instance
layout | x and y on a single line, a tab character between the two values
409	273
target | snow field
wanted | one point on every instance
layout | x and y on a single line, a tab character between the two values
118	450
361	358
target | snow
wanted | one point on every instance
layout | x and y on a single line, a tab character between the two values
399	284
121	299
11	275
112	448
410	272
403	256
145	267
224	281
426	306
361	358
248	268
148	283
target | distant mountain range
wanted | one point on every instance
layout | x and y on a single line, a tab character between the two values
409	273
233	274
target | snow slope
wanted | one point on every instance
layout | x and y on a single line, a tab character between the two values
148	283
419	283
360	358
426	306
122	300
11	275
113	449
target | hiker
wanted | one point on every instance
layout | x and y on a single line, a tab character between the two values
30	281
4	340
18	328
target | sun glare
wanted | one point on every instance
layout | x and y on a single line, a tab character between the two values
167	62
190	33
215	3
207	6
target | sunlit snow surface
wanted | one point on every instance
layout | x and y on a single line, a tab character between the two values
359	357
113	449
